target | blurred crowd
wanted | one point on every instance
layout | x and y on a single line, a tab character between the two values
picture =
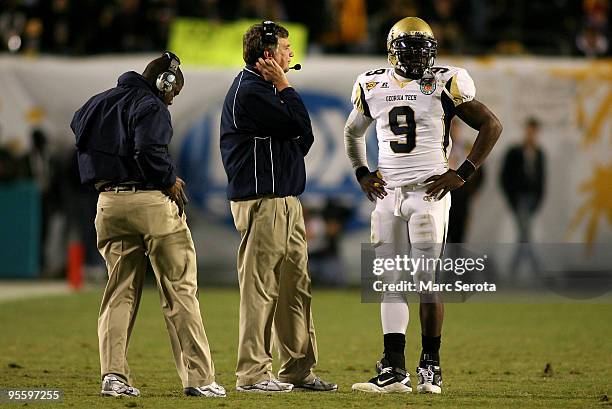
549	27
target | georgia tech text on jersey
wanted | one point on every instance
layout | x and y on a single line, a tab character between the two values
401	97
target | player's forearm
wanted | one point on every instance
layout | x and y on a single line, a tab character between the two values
355	150
487	137
479	117
354	139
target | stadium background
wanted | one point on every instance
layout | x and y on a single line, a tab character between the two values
528	59
539	58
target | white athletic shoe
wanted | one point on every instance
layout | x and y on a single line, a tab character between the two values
388	380
213	390
114	386
430	379
267	386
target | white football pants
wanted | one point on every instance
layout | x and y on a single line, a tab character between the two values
404	223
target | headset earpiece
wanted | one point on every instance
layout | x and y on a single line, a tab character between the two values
166	80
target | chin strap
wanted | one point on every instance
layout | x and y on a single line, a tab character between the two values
406	73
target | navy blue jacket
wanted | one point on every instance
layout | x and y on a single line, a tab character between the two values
265	135
123	134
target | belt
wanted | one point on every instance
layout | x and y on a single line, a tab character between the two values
269	196
412	187
131	187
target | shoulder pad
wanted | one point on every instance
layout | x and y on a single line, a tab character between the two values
444	72
372	75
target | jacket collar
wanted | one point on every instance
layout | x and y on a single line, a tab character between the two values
134	79
252	70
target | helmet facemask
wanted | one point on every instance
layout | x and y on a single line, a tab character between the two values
412	55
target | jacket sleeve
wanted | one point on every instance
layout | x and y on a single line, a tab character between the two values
152	134
280	115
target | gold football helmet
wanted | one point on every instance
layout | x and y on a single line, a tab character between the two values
411	47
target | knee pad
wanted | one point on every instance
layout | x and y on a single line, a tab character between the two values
382	228
375	238
426	247
422	228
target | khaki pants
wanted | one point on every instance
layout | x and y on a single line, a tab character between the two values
132	226
274	291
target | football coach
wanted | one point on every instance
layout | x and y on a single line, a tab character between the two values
122	137
265	135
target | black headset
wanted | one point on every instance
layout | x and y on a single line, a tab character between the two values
167	79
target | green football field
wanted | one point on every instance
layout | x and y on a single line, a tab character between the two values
493	355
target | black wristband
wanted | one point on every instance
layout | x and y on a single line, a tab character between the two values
361	172
466	170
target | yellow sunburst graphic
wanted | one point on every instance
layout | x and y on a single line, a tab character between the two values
594	128
598	204
589	79
35	115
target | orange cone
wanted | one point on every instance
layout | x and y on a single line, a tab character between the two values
76	255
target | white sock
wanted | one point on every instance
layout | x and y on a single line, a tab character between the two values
394	315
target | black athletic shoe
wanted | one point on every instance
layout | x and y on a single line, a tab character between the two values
388	380
430	377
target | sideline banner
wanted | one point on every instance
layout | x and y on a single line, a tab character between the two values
205	42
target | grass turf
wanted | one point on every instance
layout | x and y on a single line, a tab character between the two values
493	355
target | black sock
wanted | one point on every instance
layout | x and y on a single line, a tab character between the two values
394	350
431	349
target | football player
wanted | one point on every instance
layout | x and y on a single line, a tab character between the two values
412	104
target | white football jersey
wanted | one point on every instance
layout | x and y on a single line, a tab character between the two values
412	119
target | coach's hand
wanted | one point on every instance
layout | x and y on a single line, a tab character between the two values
372	184
440	185
177	194
272	72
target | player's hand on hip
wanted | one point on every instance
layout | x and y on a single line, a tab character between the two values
439	185
373	186
272	72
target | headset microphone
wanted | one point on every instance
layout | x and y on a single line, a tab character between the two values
296	67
